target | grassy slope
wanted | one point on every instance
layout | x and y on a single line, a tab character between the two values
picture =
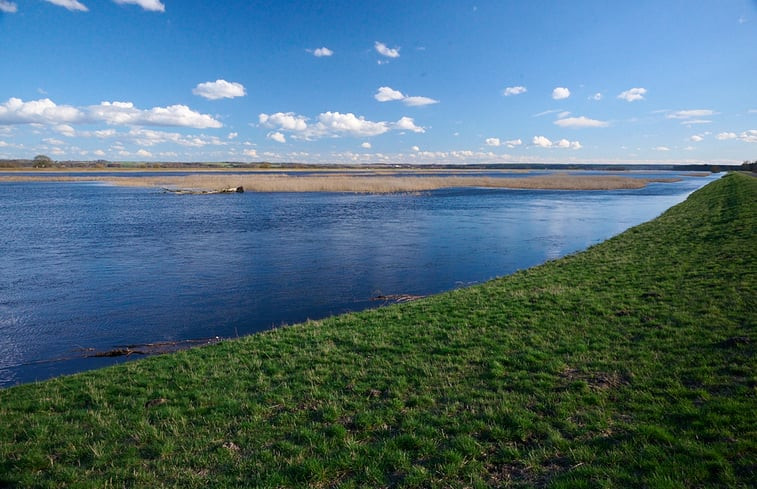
631	364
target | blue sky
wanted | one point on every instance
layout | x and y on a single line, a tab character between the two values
379	82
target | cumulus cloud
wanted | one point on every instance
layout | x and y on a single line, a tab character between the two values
514	91
416	148
560	93
512	143
251	153
144	153
383	50
42	111
173	115
749	136
151	5
287	121
544	142
322	52
276	136
597	96
45	111
66	130
388	94
661	148
366	145
408	124
696	138
69	4
333	124
580	122
219	89
8	7
633	94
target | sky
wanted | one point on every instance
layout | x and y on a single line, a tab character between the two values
344	81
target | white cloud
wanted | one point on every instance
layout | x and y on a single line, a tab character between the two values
512	143
514	91
383	50
99	152
125	113
366	145
144	153
417	101
408	124
42	111
333	124
152	5
8	7
546	112
633	94
597	96
45	111
690	114
415	148
696	138
661	148
66	130
69	4
696	121
580	122
232	135
388	94
287	121
749	136
251	153
493	142
544	142
560	93
276	136
219	89
322	52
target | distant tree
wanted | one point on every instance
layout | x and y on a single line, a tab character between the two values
42	161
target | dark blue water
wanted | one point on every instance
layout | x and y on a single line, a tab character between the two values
87	265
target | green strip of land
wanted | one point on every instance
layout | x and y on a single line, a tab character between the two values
629	365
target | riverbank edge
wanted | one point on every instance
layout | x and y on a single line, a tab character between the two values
630	364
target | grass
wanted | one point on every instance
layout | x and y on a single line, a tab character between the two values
360	183
629	365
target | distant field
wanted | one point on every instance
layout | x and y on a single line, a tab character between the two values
360	183
632	364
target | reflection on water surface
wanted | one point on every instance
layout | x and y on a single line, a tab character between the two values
98	266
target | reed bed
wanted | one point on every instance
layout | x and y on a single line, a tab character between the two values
359	183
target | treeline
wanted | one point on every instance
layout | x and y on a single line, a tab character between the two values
43	161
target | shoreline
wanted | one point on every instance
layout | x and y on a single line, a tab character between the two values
374	182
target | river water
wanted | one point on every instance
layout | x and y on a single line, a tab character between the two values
93	267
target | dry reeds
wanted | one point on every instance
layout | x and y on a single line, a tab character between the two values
360	183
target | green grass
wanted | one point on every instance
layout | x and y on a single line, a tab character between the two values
629	365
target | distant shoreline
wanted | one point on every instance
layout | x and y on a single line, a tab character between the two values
380	182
